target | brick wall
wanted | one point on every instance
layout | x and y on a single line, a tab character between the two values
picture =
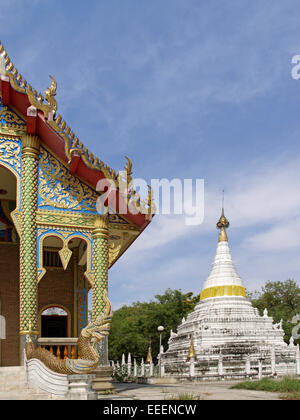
9	295
56	287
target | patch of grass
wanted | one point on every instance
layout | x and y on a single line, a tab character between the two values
285	385
290	396
108	392
183	397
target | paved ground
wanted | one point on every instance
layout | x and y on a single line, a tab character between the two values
203	391
13	387
14	395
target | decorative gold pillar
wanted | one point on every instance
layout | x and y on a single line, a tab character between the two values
100	265
28	239
100	271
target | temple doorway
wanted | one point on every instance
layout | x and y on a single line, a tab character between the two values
54	322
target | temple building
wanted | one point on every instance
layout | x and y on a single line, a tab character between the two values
224	336
54	245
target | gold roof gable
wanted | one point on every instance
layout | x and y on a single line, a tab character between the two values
48	106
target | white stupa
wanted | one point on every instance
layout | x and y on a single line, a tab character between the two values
225	336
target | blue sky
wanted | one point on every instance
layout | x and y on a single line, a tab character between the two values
187	89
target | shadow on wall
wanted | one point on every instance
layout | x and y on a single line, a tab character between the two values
2	330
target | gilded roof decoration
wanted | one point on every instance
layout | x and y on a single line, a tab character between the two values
72	144
82	220
59	189
65	255
69	219
17	80
10	122
37	100
10	153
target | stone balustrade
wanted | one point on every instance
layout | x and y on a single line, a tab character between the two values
213	366
61	347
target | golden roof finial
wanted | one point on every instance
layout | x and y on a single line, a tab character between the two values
192	352
223	224
50	93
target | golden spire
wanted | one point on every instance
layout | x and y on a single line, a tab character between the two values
192	352
149	356
223	224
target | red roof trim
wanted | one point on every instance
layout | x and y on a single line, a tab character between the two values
55	143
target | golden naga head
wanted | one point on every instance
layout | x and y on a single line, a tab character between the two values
37	99
50	93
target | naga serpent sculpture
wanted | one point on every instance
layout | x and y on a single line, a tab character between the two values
89	336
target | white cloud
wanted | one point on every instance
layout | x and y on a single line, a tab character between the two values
162	230
258	197
280	237
186	77
263	206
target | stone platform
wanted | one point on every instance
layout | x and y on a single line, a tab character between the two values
14	386
102	382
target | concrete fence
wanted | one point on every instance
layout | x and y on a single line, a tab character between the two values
218	367
132	369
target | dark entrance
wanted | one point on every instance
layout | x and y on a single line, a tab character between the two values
54	326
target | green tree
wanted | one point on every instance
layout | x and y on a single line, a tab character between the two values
282	300
134	327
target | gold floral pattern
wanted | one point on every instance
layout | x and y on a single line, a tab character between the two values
11	123
10	152
59	189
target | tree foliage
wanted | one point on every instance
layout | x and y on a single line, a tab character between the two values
282	300
134	327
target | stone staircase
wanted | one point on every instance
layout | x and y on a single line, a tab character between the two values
13	386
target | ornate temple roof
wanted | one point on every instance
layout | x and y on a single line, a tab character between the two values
223	279
40	112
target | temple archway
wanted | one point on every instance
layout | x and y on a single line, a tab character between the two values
81	250
9	265
8	202
63	260
55	321
55	289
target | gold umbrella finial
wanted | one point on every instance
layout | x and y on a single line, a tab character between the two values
223	224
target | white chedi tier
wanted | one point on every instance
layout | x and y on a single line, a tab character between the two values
225	324
223	271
